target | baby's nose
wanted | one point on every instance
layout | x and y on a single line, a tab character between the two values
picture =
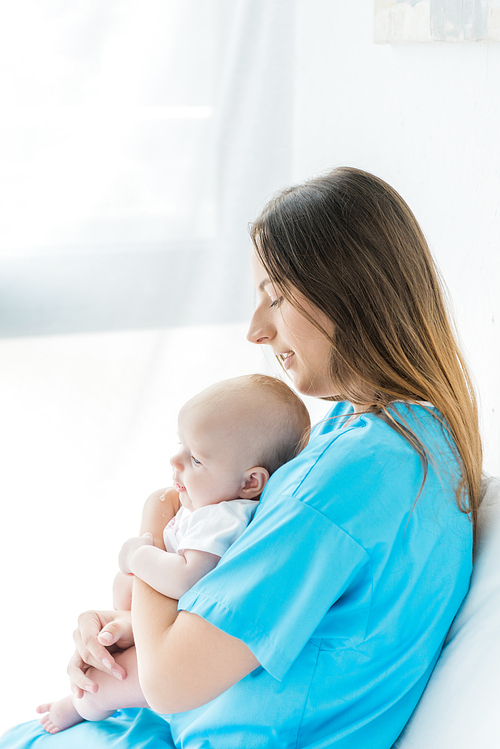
176	463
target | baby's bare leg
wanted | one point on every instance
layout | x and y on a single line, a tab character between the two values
112	694
122	592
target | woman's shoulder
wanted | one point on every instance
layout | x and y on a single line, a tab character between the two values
360	465
336	417
344	435
350	439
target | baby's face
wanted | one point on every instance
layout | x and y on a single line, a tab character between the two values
209	466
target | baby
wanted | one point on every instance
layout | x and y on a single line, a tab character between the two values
233	436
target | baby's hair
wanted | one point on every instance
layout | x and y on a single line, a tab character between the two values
289	428
280	414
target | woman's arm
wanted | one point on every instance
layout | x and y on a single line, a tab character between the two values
184	661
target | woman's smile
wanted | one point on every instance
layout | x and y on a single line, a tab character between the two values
286	359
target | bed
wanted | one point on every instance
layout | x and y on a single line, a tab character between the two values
460	708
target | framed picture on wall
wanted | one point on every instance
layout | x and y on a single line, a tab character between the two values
436	21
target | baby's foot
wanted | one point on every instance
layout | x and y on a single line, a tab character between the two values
60	715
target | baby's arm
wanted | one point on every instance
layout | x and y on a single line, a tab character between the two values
124	580
169	573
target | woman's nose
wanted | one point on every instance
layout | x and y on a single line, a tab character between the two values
259	330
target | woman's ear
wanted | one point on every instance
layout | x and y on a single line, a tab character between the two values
254	481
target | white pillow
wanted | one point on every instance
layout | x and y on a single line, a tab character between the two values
460	707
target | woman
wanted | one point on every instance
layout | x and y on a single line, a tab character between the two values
321	625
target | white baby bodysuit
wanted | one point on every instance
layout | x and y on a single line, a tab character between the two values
212	528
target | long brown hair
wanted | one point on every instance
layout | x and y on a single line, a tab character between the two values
348	243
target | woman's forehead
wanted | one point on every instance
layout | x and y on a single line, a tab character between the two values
259	272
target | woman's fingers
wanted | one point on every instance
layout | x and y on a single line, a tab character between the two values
106	637
94	629
80	683
118	632
90	652
97	635
85	636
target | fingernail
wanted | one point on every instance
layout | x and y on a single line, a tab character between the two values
117	675
88	688
107	663
106	636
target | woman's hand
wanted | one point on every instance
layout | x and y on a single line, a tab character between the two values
99	634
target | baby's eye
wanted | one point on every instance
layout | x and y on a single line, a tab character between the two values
195	461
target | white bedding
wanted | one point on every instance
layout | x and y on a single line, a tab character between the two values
460	708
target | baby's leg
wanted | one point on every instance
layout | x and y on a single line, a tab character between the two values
112	694
122	592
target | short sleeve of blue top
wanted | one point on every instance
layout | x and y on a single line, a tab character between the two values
343	586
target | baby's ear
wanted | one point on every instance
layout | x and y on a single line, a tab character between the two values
254	481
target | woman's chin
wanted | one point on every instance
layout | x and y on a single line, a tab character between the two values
312	388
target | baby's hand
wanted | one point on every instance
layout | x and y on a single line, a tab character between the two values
129	547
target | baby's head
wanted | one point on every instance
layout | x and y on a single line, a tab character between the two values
233	436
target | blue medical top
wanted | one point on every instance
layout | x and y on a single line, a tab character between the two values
342	586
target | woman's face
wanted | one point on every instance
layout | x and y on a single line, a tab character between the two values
303	349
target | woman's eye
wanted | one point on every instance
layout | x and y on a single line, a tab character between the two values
276	302
195	461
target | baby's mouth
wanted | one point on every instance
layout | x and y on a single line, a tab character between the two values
179	487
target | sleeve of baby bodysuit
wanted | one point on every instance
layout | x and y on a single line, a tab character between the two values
215	528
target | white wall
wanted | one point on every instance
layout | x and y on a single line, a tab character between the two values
89	421
426	118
